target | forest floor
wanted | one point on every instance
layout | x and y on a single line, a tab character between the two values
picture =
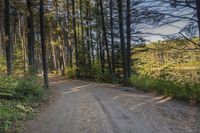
77	106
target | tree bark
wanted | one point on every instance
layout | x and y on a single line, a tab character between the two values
43	46
8	38
31	37
112	37
105	38
123	48
88	35
75	34
128	38
82	33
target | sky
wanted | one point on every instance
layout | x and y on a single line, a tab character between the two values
165	30
169	29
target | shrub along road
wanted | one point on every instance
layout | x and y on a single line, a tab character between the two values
88	107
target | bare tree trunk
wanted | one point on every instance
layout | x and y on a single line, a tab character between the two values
2	35
43	46
53	58
88	35
82	33
98	39
123	48
75	34
91	39
105	38
128	20
69	47
8	38
22	41
112	37
31	37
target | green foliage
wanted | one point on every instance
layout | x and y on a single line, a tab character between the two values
70	73
104	76
2	64
174	89
13	112
98	72
93	73
29	88
177	60
20	88
168	67
17	95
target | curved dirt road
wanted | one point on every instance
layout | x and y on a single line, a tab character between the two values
88	107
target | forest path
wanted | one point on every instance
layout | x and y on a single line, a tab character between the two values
88	107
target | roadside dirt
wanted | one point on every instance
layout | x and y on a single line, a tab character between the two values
87	107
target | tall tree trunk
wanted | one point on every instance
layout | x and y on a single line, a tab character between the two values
98	40
53	58
2	34
105	38
128	38
82	33
43	46
91	39
75	34
69	47
123	48
8	37
112	37
88	35
23	46
31	37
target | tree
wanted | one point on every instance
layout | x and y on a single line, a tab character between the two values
43	46
8	37
31	37
75	33
104	32
123	47
128	21
97	36
112	37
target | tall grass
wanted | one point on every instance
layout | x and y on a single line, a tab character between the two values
186	91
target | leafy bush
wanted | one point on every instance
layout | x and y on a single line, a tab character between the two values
8	86
93	73
13	112
29	88
17	95
174	89
20	88
70	73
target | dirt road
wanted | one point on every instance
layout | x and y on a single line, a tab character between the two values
88	107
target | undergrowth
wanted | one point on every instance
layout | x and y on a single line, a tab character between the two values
18	96
179	90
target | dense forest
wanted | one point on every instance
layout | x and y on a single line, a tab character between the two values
105	41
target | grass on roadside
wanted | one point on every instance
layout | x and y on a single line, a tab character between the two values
185	91
17	98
